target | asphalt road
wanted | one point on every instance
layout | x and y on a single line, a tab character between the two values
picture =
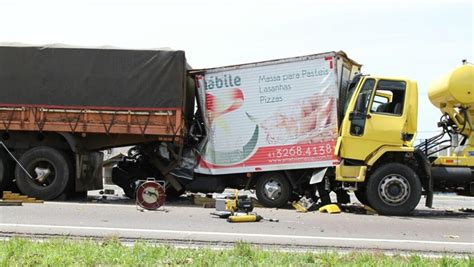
441	230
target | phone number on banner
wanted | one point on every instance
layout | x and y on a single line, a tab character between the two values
320	151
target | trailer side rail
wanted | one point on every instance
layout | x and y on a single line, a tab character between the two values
160	123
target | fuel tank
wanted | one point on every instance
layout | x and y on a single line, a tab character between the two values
456	87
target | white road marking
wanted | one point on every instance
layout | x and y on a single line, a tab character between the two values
188	233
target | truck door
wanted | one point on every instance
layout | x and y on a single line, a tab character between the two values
375	118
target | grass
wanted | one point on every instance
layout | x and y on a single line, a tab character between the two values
61	252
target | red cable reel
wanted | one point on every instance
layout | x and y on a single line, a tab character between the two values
150	195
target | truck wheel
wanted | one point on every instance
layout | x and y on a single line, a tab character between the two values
273	190
6	174
51	172
393	189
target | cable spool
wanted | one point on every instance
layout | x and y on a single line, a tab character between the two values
150	195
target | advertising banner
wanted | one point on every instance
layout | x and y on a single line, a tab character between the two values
272	116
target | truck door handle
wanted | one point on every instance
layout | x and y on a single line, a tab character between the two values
368	116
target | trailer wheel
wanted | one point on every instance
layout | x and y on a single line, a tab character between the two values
393	189
6	173
273	190
51	172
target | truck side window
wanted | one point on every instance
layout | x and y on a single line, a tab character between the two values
389	98
379	102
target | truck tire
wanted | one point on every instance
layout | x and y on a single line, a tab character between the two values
44	159
393	189
273	190
6	173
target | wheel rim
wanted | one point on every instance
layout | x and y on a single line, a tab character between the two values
272	189
42	171
394	189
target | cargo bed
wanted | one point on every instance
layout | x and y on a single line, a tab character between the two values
139	95
150	125
273	115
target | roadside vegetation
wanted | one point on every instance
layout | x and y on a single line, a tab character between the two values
60	252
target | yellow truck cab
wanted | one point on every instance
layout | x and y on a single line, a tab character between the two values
376	142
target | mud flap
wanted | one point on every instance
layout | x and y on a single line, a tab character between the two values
317	176
429	193
428	181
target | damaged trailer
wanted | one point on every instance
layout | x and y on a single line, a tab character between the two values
59	106
269	126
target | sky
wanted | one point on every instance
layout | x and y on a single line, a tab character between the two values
420	40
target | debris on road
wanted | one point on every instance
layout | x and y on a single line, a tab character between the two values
204	201
249	217
305	204
330	208
222	214
10	203
466	210
9	197
451	236
298	207
357	208
237	208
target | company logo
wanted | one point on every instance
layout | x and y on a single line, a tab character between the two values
222	81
